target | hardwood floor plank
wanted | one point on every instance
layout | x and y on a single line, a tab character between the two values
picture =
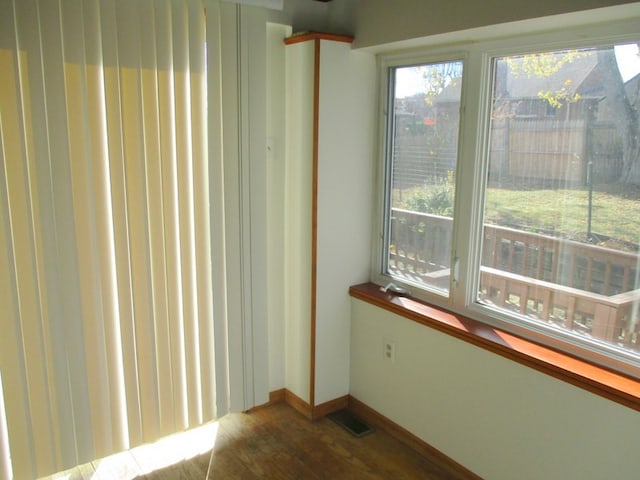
255	445
319	445
276	443
331	452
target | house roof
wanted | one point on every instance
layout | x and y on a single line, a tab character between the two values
571	76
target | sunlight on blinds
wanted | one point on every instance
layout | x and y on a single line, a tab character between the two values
105	248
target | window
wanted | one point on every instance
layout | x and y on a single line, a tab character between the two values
512	188
425	103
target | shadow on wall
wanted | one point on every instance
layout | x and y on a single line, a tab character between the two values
319	16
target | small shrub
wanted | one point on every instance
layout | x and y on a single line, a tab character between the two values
435	199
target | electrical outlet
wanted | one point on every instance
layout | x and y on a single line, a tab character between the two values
389	350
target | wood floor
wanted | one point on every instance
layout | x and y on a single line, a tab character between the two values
276	442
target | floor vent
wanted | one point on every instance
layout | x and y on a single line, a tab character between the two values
351	423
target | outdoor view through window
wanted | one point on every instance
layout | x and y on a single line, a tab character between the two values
424	157
561	202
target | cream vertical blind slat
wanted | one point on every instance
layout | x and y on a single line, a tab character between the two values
204	283
137	215
73	414
168	163
52	293
101	182
16	154
155	201
105	227
12	363
185	208
80	138
119	220
216	202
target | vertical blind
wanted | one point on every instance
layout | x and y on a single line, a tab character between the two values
106	311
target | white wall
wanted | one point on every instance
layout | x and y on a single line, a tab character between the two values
498	418
297	221
276	200
345	151
381	21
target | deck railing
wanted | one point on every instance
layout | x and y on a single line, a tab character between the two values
581	287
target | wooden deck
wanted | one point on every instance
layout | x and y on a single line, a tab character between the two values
584	288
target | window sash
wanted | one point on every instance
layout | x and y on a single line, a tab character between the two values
470	188
406	263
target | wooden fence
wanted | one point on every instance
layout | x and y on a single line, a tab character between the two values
583	288
523	150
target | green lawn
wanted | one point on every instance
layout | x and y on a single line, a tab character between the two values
563	212
566	212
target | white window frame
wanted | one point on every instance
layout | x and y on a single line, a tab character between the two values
472	165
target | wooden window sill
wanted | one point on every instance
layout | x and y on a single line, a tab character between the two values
606	383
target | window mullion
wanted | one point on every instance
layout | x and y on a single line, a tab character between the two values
472	168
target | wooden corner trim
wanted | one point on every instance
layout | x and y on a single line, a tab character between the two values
275	397
378	420
606	383
312	413
314	221
306	36
298	404
331	406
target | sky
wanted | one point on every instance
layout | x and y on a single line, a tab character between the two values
628	60
409	80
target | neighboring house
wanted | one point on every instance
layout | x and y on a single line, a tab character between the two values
632	86
566	108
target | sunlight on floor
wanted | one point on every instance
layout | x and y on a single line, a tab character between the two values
150	457
165	452
5	454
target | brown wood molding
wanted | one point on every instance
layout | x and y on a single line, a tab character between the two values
378	420
331	406
306	36
612	385
314	221
275	397
312	413
298	404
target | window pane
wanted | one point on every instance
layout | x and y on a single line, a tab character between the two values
423	157
562	206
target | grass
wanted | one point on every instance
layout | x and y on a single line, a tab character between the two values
564	212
